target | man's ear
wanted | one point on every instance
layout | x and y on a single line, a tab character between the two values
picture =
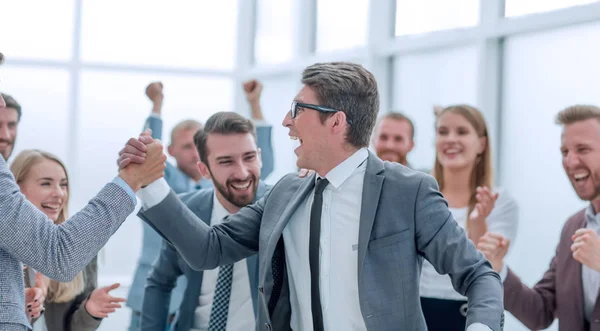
259	156
170	150
204	170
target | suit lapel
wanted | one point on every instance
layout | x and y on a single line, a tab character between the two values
307	185
370	200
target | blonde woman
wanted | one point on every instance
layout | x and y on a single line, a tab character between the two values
77	305
463	170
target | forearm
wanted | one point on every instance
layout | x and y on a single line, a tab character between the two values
476	230
485	300
256	110
533	307
201	246
81	320
58	251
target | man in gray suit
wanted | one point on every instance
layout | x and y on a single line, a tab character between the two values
341	250
229	157
60	251
186	177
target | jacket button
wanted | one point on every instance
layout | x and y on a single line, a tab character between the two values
268	326
261	289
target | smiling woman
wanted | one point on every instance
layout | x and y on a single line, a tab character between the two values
43	179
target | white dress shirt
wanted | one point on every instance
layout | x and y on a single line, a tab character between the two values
590	277
342	202
503	220
241	310
338	251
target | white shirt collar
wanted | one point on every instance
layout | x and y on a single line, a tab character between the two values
218	208
338	175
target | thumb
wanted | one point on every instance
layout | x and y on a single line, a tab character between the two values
112	287
147	133
474	213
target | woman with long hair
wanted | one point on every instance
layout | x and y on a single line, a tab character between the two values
463	170
78	304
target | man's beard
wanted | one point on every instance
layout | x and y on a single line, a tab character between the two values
399	157
9	148
229	195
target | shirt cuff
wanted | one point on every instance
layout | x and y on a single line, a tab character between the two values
260	123
155	115
154	193
478	327
503	272
119	181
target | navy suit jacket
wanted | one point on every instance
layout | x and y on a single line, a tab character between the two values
181	183
170	265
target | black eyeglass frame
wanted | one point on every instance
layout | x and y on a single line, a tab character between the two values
322	109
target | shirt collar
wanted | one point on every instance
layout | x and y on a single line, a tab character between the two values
591	217
338	175
218	208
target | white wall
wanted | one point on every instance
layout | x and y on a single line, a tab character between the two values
544	73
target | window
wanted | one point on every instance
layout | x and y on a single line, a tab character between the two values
414	17
520	7
422	81
37	29
185	33
274	31
341	24
43	96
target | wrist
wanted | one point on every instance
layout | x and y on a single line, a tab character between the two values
130	180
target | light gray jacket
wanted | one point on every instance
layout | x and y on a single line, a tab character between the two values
57	251
404	218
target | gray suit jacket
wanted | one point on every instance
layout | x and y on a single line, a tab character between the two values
404	218
57	251
170	265
181	183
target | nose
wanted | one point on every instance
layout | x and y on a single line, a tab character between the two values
59	192
2	102
241	172
572	160
287	120
4	132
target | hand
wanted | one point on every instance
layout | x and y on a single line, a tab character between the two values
154	91
35	297
153	168
100	303
305	173
494	246
437	110
135	150
253	89
586	248
485	204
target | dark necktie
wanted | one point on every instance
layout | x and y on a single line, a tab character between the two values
220	306
313	253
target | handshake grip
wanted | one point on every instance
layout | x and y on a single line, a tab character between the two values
138	175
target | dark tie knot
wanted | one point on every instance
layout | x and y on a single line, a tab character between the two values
321	185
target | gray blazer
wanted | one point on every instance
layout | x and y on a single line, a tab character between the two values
170	265
72	315
180	183
404	218
57	251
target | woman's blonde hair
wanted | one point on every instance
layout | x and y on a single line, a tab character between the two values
482	173
20	167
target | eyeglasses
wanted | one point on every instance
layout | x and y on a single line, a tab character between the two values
322	109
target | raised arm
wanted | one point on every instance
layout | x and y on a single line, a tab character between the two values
253	90
201	246
154	91
62	251
159	285
445	244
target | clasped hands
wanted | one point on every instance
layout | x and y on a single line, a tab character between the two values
141	161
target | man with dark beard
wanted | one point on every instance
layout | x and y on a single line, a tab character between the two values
393	138
9	120
224	298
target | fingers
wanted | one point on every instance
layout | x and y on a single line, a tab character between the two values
576	245
127	158
111	287
134	147
582	233
303	173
